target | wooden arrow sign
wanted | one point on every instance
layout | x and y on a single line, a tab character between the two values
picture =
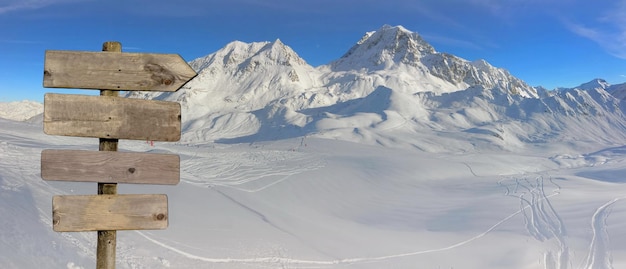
111	117
115	71
110	167
79	213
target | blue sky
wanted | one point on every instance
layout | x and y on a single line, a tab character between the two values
544	42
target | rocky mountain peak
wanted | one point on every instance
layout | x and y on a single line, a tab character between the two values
233	54
278	52
597	83
385	47
249	55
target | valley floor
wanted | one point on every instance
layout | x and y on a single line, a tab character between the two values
319	203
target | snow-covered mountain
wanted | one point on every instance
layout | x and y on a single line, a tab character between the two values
405	62
617	90
594	84
391	87
20	111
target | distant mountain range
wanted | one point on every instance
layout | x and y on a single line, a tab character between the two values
20	111
391	88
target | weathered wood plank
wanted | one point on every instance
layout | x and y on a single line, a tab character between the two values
115	71
110	167
78	213
111	117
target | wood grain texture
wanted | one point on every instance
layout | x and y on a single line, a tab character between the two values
79	213
111	117
115	71
107	240
110	167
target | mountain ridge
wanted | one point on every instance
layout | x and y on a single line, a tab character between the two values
391	88
21	110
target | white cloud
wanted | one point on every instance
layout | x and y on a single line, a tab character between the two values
607	30
7	6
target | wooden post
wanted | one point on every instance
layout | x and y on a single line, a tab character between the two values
109	118
107	240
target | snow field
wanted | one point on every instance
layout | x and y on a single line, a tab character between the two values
318	203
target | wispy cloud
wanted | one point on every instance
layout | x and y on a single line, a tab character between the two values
19	5
608	30
15	5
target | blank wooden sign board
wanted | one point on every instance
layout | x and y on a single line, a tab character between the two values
79	213
110	166
110	118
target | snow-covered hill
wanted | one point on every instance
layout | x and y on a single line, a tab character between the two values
20	111
390	88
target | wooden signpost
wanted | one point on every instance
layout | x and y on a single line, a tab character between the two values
115	71
109	118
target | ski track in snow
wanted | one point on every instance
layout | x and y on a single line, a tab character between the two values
234	171
599	254
544	224
541	219
259	169
322	263
240	168
267	220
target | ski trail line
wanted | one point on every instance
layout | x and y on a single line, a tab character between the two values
281	260
599	256
233	260
542	221
235	171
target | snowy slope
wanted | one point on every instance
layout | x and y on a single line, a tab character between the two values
20	111
319	203
619	91
235	81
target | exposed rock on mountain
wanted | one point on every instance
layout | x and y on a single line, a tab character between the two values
398	56
390	88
